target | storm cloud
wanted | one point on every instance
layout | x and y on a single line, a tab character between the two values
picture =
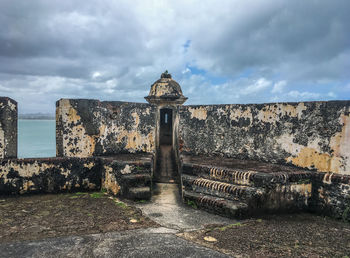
219	51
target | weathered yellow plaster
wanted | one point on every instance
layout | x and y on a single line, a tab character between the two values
136	119
340	143
311	158
11	105
161	88
237	113
29	170
126	170
272	112
289	191
199	113
89	165
2	143
27	186
135	141
110	183
85	146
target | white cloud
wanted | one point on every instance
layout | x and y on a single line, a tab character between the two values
95	75
117	49
331	94
278	87
187	70
259	85
296	95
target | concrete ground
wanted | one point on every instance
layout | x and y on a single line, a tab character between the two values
165	208
154	242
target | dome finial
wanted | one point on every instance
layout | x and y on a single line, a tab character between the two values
166	75
166	91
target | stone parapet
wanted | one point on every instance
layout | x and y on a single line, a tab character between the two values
8	128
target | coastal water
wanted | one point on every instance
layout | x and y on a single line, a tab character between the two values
36	138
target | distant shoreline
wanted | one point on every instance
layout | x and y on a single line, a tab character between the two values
36	116
37	119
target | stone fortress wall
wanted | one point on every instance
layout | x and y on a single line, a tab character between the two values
87	156
8	128
114	145
308	135
86	128
312	135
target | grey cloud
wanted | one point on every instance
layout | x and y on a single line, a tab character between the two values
302	34
53	49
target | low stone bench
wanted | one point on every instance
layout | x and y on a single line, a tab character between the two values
241	188
125	175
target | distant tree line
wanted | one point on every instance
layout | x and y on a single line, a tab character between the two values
37	116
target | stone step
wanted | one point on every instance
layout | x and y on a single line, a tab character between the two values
216	205
139	179
237	176
139	193
252	195
245	176
166	168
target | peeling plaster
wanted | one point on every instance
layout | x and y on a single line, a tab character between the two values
2	142
199	113
126	170
110	183
11	105
48	175
312	135
84	145
272	112
8	128
116	127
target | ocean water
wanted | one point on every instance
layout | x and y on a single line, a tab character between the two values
36	138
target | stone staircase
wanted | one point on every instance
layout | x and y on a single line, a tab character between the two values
137	186
128	176
241	193
166	172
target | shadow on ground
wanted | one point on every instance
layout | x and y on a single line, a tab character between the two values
52	215
167	209
97	225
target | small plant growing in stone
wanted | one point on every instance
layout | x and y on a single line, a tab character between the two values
96	195
304	181
121	204
138	168
103	190
192	204
238	224
346	214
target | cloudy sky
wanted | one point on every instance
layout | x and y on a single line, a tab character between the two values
219	51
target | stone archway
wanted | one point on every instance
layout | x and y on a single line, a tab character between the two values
165	171
166	93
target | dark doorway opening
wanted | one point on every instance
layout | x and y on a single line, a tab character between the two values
166	170
166	126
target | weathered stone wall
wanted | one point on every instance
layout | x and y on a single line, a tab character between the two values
331	195
124	175
128	176
254	187
313	135
8	128
49	175
87	128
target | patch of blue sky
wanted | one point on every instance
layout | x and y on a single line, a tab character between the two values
215	80
186	45
246	73
317	87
